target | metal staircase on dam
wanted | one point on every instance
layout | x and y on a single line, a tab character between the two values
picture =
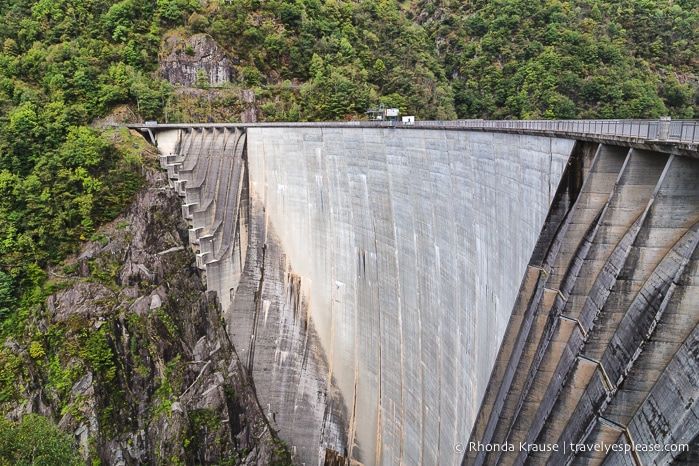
601	354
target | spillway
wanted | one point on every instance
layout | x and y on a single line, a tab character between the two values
367	275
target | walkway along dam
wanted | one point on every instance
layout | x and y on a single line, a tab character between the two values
400	294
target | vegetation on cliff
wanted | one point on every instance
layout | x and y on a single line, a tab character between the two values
124	348
35	441
59	178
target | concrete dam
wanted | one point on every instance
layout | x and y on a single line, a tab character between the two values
419	295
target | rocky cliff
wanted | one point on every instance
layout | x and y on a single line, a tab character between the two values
195	60
207	85
131	355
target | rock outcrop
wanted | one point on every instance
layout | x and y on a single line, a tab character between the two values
184	61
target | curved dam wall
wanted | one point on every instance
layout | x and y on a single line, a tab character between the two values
409	246
368	274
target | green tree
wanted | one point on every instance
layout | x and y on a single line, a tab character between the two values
10	47
7	295
202	80
150	96
197	23
83	147
394	101
36	441
317	66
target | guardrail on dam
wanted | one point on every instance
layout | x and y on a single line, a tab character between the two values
368	275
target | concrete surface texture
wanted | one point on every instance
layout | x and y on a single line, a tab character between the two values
397	294
602	344
381	269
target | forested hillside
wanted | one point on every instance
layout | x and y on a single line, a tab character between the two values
319	60
576	59
467	59
60	69
67	64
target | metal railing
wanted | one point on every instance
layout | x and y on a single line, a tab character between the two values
685	131
671	131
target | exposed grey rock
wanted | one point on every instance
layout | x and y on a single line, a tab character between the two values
167	251
87	299
181	68
200	352
141	306
83	384
157	377
247	96
155	302
129	293
14	346
249	115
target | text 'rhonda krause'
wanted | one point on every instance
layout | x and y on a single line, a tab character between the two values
507	446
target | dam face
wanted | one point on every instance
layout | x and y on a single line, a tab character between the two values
400	294
367	275
399	240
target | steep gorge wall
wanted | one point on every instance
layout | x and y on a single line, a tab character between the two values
378	274
152	375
